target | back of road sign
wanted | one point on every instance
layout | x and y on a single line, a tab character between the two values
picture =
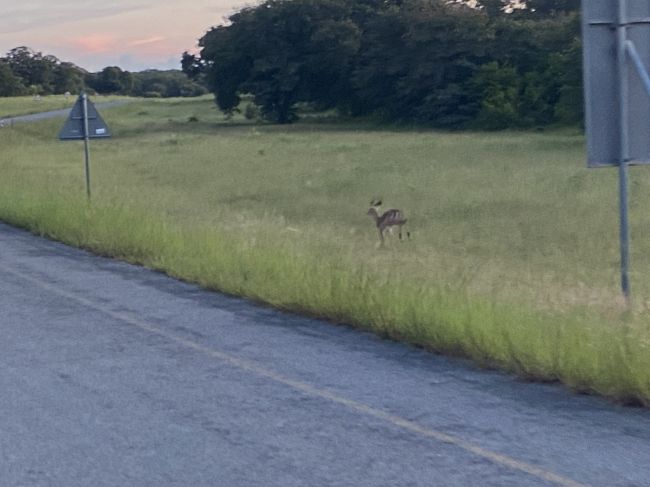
602	113
74	126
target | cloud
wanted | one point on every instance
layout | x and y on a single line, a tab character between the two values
95	51
94	43
96	33
149	40
104	43
128	61
40	15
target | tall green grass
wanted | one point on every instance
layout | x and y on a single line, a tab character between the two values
513	254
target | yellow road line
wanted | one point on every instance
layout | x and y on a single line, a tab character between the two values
308	389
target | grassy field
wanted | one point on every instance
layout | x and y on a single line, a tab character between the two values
513	259
24	105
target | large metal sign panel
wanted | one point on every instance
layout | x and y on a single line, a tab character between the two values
74	126
602	113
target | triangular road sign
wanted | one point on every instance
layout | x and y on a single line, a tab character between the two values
74	126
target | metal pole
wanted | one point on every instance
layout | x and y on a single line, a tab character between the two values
638	63
621	34
86	141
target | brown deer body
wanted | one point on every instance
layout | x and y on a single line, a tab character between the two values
387	220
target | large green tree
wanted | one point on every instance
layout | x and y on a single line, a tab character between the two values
417	60
282	52
10	84
552	7
446	63
111	80
545	54
67	78
40	74
33	68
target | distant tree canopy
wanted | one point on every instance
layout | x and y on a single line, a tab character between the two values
23	71
151	83
26	72
445	63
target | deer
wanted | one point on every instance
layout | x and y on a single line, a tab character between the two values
387	220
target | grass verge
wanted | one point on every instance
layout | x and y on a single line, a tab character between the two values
585	352
275	214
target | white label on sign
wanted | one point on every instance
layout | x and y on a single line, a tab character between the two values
100	131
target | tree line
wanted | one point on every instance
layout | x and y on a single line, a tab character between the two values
445	63
27	72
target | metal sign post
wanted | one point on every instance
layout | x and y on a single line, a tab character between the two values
624	156
85	123
86	135
617	96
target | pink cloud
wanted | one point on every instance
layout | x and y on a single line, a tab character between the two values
149	40
94	43
110	44
146	32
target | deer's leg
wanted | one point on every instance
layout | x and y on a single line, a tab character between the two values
381	235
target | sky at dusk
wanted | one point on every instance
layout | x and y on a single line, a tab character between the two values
131	34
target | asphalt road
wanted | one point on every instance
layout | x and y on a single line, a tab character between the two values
114	375
64	112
